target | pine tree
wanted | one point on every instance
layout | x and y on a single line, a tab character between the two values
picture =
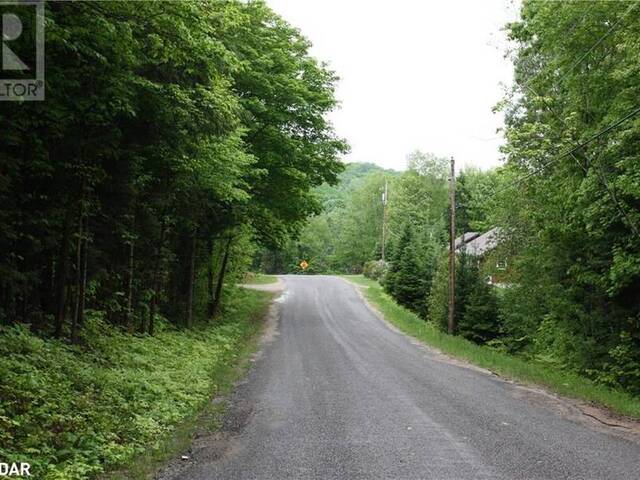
476	302
406	280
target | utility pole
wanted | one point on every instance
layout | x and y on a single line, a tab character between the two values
452	250
385	198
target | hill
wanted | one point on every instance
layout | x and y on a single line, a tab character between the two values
334	197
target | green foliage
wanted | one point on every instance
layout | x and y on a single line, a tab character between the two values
417	207
175	137
473	199
573	223
359	225
73	412
334	197
623	366
570	295
345	235
375	269
259	279
285	94
419	197
198	122
477	314
407	279
348	233
437	296
478	304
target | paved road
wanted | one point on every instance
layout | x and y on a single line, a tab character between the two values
337	394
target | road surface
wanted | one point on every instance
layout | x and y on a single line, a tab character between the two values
338	394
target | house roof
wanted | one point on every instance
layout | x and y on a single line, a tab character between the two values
468	236
481	244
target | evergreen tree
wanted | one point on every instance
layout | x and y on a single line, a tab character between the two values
406	281
476	313
476	302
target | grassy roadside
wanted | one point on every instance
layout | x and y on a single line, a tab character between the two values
206	418
259	279
122	404
564	383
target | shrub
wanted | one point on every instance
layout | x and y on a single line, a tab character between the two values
375	269
623	368
74	411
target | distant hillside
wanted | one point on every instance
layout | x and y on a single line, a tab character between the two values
333	197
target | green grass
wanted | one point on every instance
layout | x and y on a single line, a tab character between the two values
508	366
121	404
259	279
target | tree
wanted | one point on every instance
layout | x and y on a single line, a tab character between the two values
199	121
358	225
285	95
574	219
476	302
348	231
419	195
474	199
408	277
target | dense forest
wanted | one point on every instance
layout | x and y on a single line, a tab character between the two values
175	137
172	135
566	202
573	218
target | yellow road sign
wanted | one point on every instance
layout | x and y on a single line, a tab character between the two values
304	265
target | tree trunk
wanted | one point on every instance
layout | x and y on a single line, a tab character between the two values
4	294
192	281
62	271
223	269
156	280
78	281
46	287
210	279
83	279
23	304
130	289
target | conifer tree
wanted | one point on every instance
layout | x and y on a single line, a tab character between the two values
406	281
476	302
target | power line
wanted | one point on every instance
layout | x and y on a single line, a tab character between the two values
602	38
577	147
451	320
594	46
385	201
617	123
601	176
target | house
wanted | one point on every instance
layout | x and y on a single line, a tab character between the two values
477	244
481	246
466	238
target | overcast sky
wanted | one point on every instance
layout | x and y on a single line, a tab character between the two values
415	74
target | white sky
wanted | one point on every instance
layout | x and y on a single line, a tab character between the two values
414	73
